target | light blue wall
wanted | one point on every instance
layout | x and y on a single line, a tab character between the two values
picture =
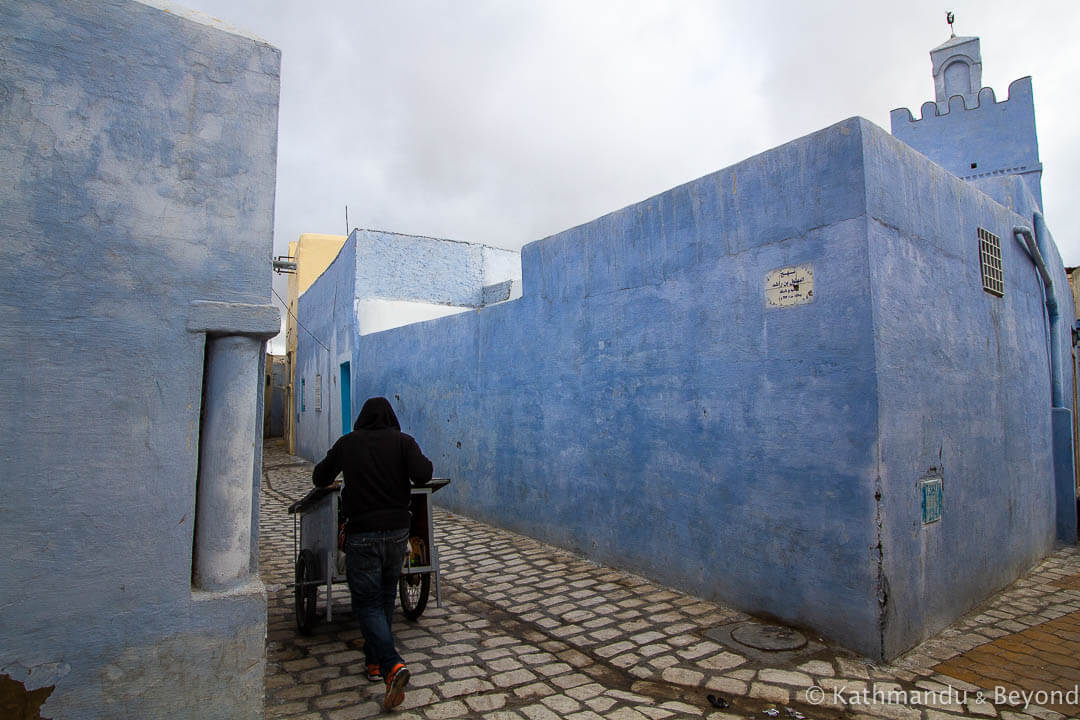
379	265
138	154
998	137
964	392
275	400
641	404
389	265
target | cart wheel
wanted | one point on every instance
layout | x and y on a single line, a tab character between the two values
414	591
305	594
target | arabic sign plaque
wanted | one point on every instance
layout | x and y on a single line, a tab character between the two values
789	286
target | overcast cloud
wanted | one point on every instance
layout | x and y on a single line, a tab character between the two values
505	122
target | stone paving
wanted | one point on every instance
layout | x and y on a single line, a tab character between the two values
531	632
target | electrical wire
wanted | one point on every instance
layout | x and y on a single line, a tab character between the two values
286	304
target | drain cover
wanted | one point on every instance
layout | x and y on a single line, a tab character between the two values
768	637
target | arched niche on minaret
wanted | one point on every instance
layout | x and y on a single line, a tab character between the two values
957	68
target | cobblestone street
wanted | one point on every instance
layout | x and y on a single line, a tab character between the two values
528	631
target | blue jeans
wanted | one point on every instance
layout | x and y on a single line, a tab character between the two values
373	566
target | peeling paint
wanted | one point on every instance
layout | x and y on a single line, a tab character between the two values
18	703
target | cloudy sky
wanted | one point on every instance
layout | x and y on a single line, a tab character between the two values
504	122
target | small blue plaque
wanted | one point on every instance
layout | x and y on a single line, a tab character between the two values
931	499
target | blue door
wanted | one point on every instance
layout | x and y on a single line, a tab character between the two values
346	399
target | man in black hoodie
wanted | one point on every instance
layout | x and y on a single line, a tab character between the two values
378	461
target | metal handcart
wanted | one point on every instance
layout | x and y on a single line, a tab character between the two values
320	560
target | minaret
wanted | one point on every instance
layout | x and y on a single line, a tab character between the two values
966	131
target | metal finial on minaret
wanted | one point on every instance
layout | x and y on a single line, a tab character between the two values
950	18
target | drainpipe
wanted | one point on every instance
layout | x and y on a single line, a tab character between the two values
1060	416
1028	240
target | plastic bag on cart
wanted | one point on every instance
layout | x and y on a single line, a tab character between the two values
417	552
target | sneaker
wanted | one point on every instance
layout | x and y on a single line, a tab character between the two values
395	686
373	673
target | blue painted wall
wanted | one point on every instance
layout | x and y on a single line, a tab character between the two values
994	146
964	392
138	150
643	396
642	405
454	273
375	265
327	310
274	417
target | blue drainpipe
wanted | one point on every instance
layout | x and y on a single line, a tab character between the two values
1060	415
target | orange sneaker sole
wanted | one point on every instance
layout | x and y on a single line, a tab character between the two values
395	687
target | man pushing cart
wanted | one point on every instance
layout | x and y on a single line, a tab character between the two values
380	465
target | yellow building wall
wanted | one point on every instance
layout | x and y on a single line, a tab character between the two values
313	253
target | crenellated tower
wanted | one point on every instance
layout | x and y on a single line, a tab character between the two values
965	129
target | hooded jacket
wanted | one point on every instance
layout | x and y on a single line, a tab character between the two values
378	462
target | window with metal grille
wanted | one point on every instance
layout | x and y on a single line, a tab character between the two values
990	262
318	393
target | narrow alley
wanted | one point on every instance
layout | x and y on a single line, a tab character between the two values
530	631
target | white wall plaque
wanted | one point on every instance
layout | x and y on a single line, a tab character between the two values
789	286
